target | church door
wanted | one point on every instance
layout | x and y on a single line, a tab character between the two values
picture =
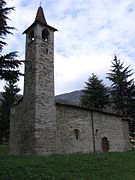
105	144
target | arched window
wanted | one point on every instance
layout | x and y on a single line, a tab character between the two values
31	36
45	35
76	131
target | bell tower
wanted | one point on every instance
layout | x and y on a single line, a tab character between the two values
39	119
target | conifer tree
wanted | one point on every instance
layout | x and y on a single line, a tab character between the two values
8	62
8	98
95	94
121	86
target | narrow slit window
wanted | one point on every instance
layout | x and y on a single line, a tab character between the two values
97	130
46	51
76	131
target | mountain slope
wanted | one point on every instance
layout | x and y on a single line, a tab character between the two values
70	98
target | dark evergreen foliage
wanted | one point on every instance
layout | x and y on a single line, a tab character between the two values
131	111
8	62
8	98
121	87
95	94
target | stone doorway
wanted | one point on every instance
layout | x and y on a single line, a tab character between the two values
105	144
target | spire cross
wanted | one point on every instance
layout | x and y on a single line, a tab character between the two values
40	3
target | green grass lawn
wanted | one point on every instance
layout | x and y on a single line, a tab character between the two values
100	166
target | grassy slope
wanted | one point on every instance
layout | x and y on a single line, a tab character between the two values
102	166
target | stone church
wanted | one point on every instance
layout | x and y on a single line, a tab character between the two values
41	125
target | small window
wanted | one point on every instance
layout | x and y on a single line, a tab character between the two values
45	35
76	131
46	51
31	36
96	132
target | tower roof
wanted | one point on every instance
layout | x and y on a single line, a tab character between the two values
40	16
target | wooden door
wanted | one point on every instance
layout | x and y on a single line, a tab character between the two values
105	144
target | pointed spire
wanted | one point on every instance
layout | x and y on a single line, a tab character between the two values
40	16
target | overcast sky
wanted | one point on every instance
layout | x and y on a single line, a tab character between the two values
89	33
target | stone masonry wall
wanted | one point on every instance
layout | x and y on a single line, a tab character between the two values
106	125
127	144
69	119
22	130
45	120
15	130
109	126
